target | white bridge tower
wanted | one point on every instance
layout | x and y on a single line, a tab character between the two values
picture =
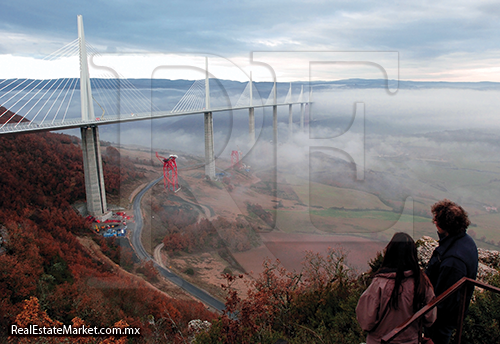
92	161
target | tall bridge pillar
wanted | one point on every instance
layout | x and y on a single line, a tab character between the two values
209	130
92	161
251	116
301	117
275	116
251	125
92	167
301	108
275	125
290	122
209	146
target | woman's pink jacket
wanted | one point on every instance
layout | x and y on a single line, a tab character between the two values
377	318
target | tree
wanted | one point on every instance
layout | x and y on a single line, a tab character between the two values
316	305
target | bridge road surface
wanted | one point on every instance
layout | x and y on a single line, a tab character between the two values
201	295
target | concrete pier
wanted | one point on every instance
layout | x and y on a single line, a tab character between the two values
209	130
302	117
251	126
209	147
290	122
275	125
91	148
92	167
251	115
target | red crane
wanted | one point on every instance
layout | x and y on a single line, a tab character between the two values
235	159
170	180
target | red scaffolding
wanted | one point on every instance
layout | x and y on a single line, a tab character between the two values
235	159
170	180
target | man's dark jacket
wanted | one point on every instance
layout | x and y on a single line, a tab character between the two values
456	257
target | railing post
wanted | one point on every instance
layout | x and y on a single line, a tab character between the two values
461	312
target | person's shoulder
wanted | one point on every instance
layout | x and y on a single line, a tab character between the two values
468	239
465	243
381	279
385	277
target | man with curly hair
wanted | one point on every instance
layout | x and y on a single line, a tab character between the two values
454	258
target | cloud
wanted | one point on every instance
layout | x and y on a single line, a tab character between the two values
202	25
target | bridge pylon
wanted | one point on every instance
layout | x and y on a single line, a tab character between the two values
92	160
209	130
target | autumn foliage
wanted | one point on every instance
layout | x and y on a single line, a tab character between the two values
315	305
206	235
32	314
40	177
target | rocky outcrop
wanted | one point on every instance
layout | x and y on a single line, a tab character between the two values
489	261
197	326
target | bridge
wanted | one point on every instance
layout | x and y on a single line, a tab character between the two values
43	105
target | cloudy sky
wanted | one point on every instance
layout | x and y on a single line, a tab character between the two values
422	40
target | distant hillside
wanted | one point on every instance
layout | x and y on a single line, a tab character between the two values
265	87
9	116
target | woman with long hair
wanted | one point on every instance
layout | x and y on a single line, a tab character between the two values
398	290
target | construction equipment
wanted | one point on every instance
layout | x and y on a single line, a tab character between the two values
170	179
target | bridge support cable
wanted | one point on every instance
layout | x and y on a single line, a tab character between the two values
56	84
50	57
70	49
271	100
116	94
244	99
100	91
193	99
6	80
20	92
288	98
135	93
69	101
11	107
105	90
26	88
51	83
55	101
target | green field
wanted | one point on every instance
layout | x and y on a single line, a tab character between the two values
369	214
326	196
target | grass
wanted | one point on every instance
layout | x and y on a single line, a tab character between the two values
294	221
369	214
347	221
326	196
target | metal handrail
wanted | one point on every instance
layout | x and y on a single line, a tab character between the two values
461	286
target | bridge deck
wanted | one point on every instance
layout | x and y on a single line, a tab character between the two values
78	123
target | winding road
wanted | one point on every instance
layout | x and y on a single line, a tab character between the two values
198	293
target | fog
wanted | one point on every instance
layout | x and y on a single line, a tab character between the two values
410	147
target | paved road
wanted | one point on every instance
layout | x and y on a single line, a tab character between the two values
201	295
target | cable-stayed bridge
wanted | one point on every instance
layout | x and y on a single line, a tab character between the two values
43	105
